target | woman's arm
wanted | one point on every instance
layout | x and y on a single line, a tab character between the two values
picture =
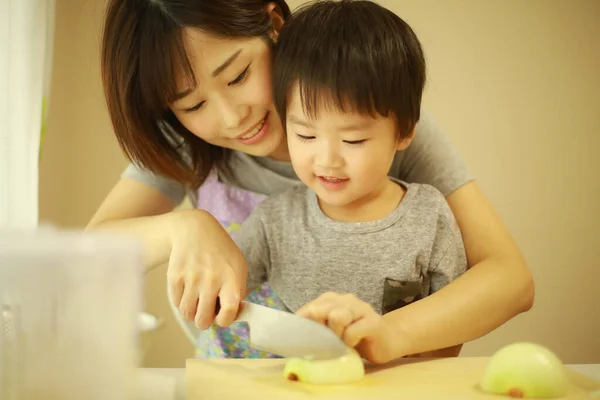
204	262
497	287
137	209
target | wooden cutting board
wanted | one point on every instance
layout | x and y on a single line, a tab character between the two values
429	379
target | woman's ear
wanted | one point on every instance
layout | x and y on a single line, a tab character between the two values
277	19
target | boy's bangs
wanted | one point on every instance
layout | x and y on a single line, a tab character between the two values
340	89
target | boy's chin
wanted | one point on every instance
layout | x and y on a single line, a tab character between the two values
339	201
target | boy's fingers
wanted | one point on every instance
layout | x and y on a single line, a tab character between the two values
357	331
340	318
317	310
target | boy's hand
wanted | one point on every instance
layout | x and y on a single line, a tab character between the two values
355	322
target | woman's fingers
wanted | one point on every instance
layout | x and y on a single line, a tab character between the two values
175	289
189	299
229	297
205	263
175	280
207	301
196	296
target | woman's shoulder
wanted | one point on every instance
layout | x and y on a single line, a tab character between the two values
249	173
174	190
431	158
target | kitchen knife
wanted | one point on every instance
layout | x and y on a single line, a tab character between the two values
281	333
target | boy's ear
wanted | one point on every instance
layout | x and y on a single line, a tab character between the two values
277	19
405	142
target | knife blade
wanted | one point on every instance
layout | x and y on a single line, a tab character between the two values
283	333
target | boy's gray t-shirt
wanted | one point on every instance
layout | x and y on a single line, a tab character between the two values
431	158
389	263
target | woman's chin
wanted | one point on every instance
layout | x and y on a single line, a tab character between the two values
272	145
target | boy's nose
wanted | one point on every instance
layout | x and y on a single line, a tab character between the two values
329	157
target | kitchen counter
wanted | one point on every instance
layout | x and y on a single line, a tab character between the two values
169	383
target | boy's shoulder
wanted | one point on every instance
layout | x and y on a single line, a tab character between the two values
426	200
425	193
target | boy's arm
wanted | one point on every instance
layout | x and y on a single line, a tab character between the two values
251	238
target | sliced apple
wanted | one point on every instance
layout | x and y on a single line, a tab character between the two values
346	369
525	370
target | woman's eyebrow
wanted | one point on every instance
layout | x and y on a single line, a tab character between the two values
217	71
225	64
182	95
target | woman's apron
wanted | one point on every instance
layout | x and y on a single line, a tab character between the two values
231	206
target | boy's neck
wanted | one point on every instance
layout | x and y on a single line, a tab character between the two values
282	153
375	206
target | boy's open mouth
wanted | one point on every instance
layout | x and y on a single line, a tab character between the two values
332	179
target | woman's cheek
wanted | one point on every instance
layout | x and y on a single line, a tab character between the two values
200	126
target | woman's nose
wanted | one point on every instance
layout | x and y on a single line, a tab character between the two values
232	114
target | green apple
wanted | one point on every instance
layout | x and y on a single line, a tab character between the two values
346	369
525	370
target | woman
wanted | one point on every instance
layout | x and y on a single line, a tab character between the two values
189	94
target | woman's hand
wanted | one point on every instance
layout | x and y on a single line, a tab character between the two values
204	264
355	322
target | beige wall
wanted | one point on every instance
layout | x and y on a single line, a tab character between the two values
514	83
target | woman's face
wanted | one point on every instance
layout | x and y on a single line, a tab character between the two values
231	106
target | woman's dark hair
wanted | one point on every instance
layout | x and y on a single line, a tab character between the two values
350	54
142	50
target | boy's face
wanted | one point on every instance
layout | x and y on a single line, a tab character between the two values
343	157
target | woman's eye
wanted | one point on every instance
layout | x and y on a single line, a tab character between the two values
241	77
304	138
238	80
194	108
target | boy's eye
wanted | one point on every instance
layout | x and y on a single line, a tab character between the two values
355	141
240	78
304	138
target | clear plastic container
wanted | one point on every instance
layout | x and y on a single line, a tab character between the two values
69	304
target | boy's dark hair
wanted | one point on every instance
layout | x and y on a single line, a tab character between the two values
350	54
142	46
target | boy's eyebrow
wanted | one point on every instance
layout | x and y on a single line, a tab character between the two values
216	72
356	126
352	126
297	121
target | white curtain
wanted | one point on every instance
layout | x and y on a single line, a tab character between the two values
26	38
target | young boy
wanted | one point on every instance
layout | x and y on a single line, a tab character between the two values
348	79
